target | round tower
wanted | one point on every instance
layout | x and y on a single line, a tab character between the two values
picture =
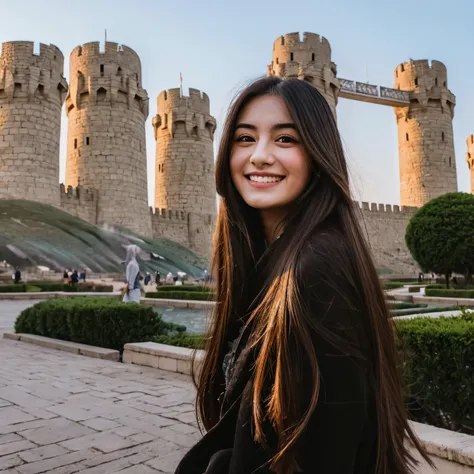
184	134
107	108
32	91
425	133
309	60
470	159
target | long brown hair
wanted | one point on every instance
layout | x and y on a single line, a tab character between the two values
239	243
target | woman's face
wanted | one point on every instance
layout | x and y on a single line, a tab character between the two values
268	164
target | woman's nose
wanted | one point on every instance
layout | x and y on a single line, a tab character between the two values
262	156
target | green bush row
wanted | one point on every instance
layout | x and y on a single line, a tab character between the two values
97	322
392	285
406	305
409	312
414	289
192	341
181	295
438	356
69	288
19	288
186	288
449	293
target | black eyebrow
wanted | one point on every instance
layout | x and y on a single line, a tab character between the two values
277	126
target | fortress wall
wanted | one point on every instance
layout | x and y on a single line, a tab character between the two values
81	202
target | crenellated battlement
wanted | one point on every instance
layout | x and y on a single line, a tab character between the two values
27	75
421	75
168	214
193	111
110	77
171	99
307	58
78	193
111	53
388	209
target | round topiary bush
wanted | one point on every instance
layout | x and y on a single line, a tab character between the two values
440	235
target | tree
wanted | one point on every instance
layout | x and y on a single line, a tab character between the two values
440	236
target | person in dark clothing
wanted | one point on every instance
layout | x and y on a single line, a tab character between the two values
17	276
147	278
300	369
74	277
82	275
157	278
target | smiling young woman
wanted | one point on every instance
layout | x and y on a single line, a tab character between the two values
300	372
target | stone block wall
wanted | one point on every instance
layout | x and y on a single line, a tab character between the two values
385	227
425	133
107	108
184	133
470	158
308	59
81	202
32	91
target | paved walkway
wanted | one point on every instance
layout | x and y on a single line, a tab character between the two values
63	413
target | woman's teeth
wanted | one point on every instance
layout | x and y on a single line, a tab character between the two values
265	179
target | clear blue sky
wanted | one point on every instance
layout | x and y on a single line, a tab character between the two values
218	45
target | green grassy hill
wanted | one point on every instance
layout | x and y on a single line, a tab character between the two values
33	234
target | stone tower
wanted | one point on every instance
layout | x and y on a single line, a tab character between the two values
184	133
470	158
310	60
107	108
32	91
425	133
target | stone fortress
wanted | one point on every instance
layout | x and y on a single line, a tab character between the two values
107	107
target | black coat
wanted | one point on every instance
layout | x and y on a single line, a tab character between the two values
342	435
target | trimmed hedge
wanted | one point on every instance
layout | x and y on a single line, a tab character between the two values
414	289
438	355
185	288
409	312
445	293
19	288
181	295
97	322
192	341
392	285
406	305
69	288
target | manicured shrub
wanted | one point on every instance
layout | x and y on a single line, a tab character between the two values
98	322
69	288
20	288
414	289
392	305
392	285
181	295
408	312
186	288
444	293
192	341
438	355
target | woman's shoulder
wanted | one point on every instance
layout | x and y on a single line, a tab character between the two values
326	249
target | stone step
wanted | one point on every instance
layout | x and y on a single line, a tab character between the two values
161	356
74	347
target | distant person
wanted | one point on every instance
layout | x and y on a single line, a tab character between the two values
17	276
74	277
66	276
169	278
82	276
132	275
157	278
147	278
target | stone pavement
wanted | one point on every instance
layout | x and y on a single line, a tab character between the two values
62	413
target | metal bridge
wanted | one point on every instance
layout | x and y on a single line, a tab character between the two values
374	94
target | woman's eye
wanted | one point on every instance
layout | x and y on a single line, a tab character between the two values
245	138
286	139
